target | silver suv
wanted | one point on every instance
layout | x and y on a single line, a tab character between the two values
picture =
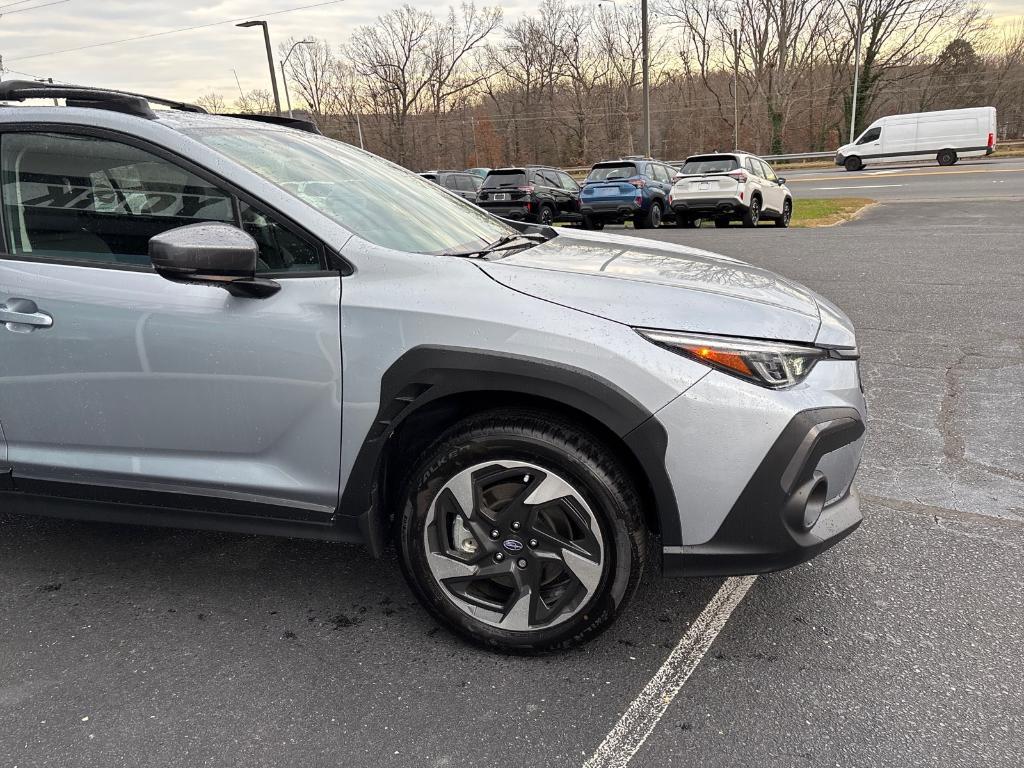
234	325
731	186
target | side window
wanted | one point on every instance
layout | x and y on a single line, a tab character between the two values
464	183
872	134
753	166
79	198
664	173
567	182
549	179
767	172
281	250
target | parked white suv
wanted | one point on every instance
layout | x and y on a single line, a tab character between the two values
728	187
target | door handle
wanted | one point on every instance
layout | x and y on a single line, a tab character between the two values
23	316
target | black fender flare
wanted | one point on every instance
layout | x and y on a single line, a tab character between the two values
425	374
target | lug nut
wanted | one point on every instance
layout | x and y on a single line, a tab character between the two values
516	525
533	543
521	562
499	556
495	533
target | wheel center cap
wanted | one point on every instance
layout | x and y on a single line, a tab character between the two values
512	545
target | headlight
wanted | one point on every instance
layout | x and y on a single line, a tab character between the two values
771	364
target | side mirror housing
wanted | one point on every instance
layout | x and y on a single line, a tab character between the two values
781	180
210	253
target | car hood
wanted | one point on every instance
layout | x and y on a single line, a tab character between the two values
643	283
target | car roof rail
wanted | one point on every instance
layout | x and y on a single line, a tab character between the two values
86	96
286	122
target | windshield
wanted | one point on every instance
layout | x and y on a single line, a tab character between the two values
370	197
710	165
504	179
612	172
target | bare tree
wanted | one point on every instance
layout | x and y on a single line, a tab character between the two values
212	102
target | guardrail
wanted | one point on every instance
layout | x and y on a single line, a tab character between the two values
792	157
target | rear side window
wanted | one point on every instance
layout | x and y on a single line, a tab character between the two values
612	171
496	179
752	165
710	164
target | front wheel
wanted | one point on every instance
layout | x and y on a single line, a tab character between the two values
521	532
787	214
853	163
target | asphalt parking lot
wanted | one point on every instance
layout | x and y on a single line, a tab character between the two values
901	647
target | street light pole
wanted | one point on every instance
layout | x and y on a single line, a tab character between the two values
270	58
646	65
284	77
856	73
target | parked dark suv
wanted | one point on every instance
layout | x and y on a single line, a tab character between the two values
532	193
465	185
631	189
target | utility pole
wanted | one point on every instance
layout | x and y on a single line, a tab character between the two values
359	128
736	90
856	71
646	65
270	58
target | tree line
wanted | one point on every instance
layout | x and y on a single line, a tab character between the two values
562	85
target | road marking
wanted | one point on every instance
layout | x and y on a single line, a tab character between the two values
902	174
643	714
858	186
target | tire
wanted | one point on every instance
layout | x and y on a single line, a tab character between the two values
721	223
649	220
546	215
853	163
787	214
946	157
688	222
584	503
753	213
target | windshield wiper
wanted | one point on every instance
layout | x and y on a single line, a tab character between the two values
504	244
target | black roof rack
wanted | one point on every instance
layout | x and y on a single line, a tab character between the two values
87	96
287	122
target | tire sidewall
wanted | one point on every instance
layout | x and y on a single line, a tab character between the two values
619	542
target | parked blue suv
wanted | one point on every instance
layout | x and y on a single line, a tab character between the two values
632	189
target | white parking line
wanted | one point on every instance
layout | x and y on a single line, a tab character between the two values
643	714
857	186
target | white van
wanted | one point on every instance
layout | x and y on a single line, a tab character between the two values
947	136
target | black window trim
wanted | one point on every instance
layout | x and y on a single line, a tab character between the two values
331	262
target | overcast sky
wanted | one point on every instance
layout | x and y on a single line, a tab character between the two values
188	64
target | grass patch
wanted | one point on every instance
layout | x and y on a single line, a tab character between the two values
824	212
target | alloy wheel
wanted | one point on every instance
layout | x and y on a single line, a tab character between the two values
514	545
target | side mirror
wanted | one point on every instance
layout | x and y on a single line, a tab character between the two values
781	180
211	254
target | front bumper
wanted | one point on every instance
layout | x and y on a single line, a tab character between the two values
761	479
787	514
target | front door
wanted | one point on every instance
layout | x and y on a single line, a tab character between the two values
113	378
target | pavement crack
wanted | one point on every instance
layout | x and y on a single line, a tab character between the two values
953	443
